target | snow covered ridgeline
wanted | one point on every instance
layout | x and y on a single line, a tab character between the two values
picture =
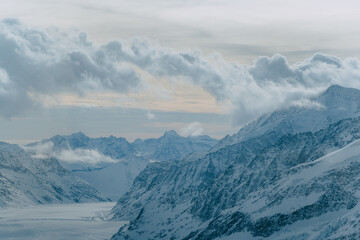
333	105
26	181
111	164
260	185
169	146
287	185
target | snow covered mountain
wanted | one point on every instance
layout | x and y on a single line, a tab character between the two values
172	146
25	180
334	104
288	180
78	151
111	164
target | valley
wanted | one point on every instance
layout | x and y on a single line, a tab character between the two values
87	221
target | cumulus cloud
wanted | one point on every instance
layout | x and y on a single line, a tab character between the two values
88	156
48	61
307	103
193	129
150	115
268	84
43	150
79	155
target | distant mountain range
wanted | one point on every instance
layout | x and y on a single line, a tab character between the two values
116	162
292	174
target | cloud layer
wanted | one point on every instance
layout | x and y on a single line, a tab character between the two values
47	61
269	84
80	155
193	129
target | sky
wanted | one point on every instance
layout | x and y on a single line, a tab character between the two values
136	69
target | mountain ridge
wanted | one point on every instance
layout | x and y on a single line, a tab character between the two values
218	197
27	181
333	104
115	176
245	186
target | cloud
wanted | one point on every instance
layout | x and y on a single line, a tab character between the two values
48	61
269	84
166	62
150	115
307	103
80	155
193	129
41	150
88	156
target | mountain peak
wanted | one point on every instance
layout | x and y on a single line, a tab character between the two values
7	147
340	91
335	87
138	140
171	133
337	103
341	98
79	135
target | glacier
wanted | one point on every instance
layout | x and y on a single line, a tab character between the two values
85	221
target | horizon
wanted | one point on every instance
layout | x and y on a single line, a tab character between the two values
109	136
184	132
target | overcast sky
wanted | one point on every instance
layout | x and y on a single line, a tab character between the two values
135	68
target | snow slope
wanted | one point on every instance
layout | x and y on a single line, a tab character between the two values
258	193
279	182
334	211
25	180
334	104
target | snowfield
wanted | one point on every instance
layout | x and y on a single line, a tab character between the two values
66	221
